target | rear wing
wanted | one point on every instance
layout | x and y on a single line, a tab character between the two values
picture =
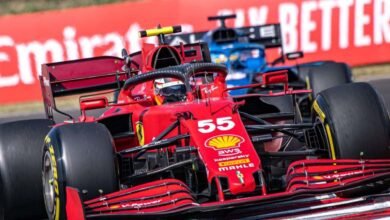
195	52
100	73
185	38
269	35
79	76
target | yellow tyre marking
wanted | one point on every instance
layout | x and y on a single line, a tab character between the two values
55	182
330	140
322	116
47	140
317	109
58	208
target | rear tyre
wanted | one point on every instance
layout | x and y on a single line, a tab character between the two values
80	156
20	169
304	69
328	75
355	121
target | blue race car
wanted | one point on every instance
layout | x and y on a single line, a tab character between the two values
243	51
244	62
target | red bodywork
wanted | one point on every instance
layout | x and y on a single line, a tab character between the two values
216	130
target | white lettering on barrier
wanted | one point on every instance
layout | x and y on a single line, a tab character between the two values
381	21
308	26
288	18
258	15
39	51
240	18
132	38
326	31
344	6
361	20
71	47
88	44
13	79
116	40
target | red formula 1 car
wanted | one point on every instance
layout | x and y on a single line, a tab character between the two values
174	144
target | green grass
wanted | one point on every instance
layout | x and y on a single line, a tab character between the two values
26	6
372	70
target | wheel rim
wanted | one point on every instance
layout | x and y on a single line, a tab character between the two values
48	183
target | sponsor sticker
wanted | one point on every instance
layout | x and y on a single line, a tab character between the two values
242	156
234	162
229	152
141	204
237	167
222	142
335	176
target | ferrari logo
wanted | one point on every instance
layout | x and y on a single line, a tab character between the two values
139	129
224	141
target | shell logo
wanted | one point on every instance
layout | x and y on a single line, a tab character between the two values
224	141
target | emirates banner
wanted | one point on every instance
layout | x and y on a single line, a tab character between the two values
353	31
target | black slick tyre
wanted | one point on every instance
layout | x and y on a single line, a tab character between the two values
20	168
328	75
355	121
304	69
80	156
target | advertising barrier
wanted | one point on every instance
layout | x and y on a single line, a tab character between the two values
353	31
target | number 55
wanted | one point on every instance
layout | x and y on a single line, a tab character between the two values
223	124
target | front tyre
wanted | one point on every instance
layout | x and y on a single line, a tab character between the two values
80	156
355	121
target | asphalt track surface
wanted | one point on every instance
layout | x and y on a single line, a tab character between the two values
381	85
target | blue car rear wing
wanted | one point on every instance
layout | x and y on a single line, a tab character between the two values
269	35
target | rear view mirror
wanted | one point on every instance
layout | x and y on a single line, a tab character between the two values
93	103
294	55
275	77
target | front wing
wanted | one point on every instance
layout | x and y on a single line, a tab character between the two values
319	189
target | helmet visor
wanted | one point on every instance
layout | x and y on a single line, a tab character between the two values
172	90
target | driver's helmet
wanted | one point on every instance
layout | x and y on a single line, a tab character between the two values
168	90
241	56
